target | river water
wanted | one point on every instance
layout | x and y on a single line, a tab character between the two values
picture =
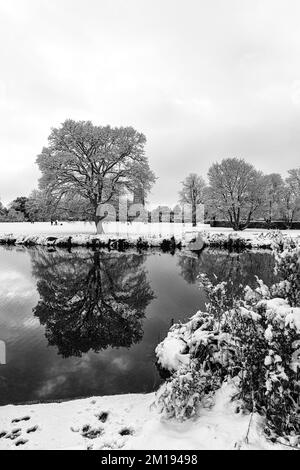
83	323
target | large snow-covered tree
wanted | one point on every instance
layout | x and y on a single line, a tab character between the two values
94	163
236	191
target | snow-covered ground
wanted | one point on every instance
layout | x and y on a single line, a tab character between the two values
128	422
45	228
120	229
89	228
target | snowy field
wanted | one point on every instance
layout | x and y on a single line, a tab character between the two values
119	229
128	422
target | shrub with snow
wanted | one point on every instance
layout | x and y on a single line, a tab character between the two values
179	397
255	339
288	268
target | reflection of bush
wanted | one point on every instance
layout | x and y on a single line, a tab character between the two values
91	300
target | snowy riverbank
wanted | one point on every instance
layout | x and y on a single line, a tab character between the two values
128	422
122	235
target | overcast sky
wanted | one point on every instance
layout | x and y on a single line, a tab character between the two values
203	79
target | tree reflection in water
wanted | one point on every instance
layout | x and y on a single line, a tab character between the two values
239	269
91	300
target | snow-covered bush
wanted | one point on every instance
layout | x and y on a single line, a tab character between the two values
288	268
179	397
218	295
276	237
255	339
191	353
267	361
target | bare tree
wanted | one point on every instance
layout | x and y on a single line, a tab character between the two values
192	192
94	163
236	191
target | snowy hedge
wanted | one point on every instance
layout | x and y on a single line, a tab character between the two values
255	340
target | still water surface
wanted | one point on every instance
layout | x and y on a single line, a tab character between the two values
87	323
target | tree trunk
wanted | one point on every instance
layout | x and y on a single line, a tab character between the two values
235	221
231	219
270	215
194	214
236	218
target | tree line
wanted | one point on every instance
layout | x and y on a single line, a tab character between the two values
238	193
84	166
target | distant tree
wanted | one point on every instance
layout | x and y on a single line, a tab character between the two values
91	301
19	205
290	202
14	216
236	191
94	163
192	193
3	211
38	207
293	181
273	186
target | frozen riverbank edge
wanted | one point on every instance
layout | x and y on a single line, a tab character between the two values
225	239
